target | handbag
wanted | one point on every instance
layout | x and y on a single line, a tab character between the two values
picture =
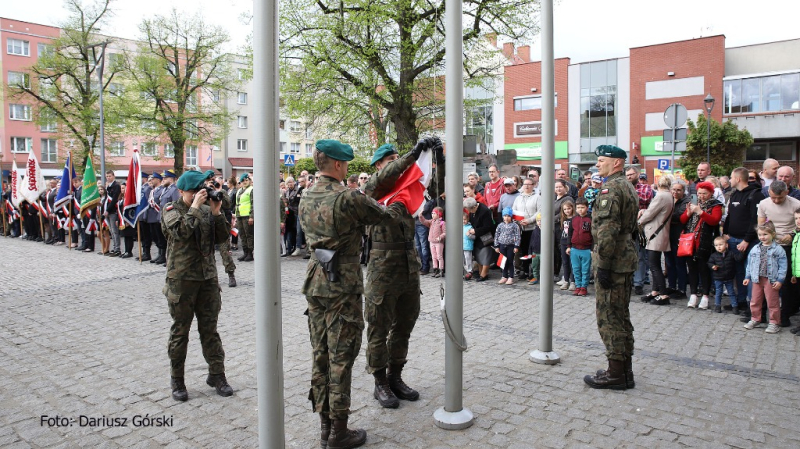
686	242
487	239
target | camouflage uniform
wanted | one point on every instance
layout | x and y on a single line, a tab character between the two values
613	222
393	288
192	287
333	217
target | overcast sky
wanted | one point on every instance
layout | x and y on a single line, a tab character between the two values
585	30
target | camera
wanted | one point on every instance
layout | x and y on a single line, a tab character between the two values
214	195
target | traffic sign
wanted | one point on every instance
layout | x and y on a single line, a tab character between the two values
288	160
679	147
663	164
675	135
675	115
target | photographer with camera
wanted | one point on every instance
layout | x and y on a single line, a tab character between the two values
216	193
193	225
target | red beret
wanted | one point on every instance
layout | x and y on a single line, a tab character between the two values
706	186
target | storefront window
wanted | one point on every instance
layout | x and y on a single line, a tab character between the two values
733	96
762	94
790	91
771	93
750	95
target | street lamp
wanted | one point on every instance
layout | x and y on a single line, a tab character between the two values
709	102
100	59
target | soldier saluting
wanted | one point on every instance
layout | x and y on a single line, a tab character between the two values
615	259
333	218
192	228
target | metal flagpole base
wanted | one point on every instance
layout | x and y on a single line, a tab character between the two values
545	358
453	420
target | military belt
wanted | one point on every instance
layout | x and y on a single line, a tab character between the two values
341	259
393	246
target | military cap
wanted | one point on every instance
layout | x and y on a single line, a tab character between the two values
169	173
335	149
384	150
243	177
192	180
145	175
611	151
157	175
210	174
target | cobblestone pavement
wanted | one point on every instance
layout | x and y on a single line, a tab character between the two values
85	335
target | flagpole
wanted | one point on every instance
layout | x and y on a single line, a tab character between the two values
41	226
139	238
5	228
70	224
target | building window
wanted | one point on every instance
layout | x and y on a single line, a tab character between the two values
242	98
149	149
480	122
49	126
117	148
18	47
295	147
191	155
242	121
599	100
283	147
19	112
782	151
21	144
309	134
282	124
19	79
49	150
114	89
294	126
169	150
240	74
45	50
215	96
149	124
241	144
762	94
309	149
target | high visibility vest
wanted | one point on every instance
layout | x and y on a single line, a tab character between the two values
243	203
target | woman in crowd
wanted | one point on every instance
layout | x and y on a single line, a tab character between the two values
676	266
103	232
702	219
655	223
480	217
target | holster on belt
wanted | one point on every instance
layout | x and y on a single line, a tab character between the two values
328	260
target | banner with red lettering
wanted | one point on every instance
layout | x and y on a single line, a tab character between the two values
33	182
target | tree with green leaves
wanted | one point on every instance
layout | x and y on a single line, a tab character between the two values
377	66
63	86
728	146
178	78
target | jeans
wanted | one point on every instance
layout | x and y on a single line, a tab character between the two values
676	268
741	290
640	274
508	252
581	265
421	242
718	297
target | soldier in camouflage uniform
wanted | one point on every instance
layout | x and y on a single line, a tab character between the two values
333	218
393	288
192	228
615	259
225	248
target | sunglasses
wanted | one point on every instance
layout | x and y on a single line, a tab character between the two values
752	178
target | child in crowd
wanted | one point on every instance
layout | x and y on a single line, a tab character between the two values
723	270
436	237
469	245
567	212
765	270
535	249
506	242
592	191
580	246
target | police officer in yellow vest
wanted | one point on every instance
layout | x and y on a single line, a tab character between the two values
244	216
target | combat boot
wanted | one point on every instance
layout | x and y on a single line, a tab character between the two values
629	381
383	392
248	257
154	259
324	430
162	256
613	378
145	255
243	256
231	280
220	384
398	387
179	392
343	438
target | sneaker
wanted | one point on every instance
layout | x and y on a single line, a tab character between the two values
502	280
510	281
773	328
468	276
661	301
533	281
638	290
584	292
735	310
751	324
565	286
692	301
571	287
561	283
703	303
717	309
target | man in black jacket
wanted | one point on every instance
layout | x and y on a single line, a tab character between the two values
740	228
113	190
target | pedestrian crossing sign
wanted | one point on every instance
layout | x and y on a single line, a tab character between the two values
288	160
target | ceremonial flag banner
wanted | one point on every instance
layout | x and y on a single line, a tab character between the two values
135	204
501	261
410	187
90	196
33	183
15	198
65	192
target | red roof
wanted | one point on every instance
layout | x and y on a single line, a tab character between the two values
241	161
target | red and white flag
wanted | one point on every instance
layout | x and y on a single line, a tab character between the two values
501	261
33	180
16	180
410	187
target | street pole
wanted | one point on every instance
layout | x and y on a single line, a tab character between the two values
709	103
102	62
269	343
545	353
453	416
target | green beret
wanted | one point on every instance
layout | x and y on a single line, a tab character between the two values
383	151
210	174
611	151
335	149
192	180
243	177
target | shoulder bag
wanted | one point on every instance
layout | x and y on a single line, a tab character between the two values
686	242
